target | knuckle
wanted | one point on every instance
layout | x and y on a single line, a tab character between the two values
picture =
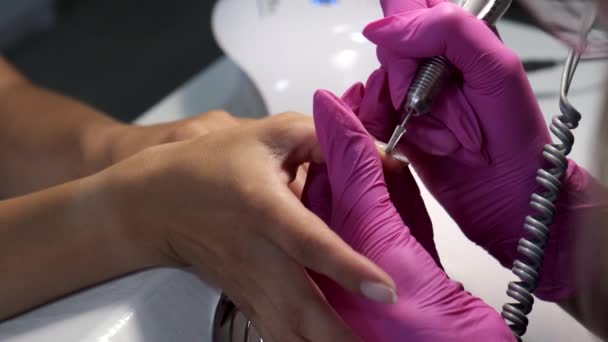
450	20
307	248
188	130
285	125
250	193
289	116
256	206
451	17
219	114
308	245
286	120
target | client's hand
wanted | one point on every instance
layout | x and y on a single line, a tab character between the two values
350	194
220	203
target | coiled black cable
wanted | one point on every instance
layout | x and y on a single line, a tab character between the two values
531	248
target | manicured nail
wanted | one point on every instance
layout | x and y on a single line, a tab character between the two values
379	292
395	161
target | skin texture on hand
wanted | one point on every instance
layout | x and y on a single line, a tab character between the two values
221	204
349	192
43	130
479	149
130	139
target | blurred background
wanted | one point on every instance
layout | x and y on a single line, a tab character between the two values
121	56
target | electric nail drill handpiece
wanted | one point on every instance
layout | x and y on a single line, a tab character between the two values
431	74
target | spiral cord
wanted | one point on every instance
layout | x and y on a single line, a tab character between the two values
531	248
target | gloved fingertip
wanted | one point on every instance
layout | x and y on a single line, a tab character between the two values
356	90
376	80
325	101
320	95
376	31
353	96
335	122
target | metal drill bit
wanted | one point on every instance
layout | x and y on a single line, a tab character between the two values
398	133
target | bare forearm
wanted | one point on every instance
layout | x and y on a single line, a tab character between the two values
57	241
46	138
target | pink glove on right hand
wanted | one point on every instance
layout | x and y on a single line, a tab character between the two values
351	196
480	148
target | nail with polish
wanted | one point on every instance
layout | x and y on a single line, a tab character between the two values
379	292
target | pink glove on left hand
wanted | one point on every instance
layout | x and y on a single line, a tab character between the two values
351	195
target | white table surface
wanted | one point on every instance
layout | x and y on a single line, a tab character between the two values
173	305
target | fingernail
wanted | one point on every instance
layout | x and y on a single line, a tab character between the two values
399	156
379	292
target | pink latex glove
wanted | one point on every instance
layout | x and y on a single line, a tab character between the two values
351	195
480	148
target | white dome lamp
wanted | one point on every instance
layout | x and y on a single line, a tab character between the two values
290	48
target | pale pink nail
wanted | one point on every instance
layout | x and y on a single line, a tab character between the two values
379	292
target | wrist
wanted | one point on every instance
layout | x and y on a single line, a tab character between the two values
122	194
92	203
60	240
99	141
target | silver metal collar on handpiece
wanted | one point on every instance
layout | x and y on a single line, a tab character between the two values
430	77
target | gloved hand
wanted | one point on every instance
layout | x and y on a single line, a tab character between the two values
350	194
480	148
